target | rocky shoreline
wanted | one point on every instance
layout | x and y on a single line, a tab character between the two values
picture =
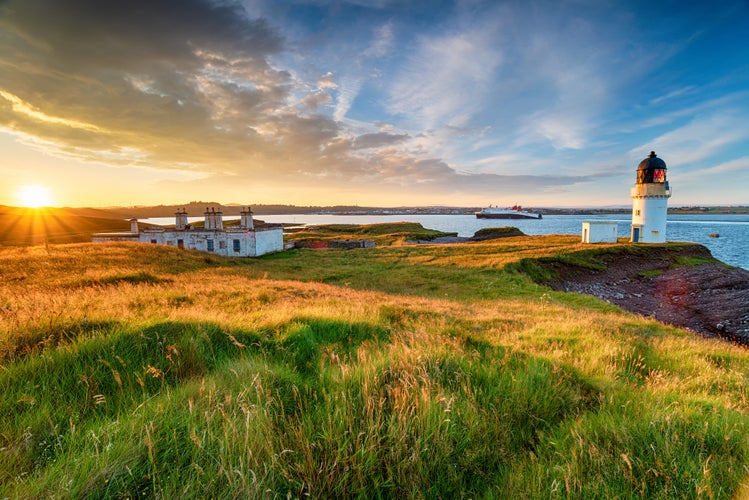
709	298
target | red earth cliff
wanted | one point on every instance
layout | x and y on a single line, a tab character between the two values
705	296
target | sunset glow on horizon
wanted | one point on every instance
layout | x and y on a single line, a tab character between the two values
375	103
34	196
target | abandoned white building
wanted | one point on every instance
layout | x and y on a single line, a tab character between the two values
245	239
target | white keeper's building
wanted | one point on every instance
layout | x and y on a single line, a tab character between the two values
600	232
245	239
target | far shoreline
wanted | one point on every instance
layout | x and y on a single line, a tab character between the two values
197	208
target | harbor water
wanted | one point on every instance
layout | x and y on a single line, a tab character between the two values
726	236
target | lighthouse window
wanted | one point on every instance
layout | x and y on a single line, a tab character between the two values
659	176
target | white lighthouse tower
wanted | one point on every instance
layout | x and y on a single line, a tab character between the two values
650	201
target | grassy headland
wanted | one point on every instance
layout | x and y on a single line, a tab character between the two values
398	371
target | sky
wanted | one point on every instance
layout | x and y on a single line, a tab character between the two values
372	102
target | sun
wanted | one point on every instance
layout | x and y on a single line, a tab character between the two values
34	196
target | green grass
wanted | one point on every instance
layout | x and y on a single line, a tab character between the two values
692	261
497	232
382	234
650	273
401	371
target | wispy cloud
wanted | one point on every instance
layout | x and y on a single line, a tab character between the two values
712	171
737	165
348	89
22	108
383	42
702	137
446	78
679	92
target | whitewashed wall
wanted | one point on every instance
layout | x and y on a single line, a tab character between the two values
251	243
650	215
269	241
599	232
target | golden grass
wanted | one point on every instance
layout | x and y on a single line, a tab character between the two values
342	374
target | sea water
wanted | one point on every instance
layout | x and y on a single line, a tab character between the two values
726	236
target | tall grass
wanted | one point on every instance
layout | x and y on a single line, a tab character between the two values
408	372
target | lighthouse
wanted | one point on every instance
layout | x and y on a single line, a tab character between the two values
650	201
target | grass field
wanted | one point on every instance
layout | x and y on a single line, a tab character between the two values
133	370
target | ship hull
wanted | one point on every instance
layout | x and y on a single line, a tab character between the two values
480	215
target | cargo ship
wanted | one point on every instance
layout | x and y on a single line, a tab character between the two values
513	212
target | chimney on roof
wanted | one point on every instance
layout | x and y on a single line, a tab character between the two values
134	226
209	219
218	218
180	219
214	221
246	221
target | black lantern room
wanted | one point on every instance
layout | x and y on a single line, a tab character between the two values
652	170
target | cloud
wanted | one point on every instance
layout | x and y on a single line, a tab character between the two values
389	175
702	137
658	116
347	92
708	171
568	69
181	82
205	96
377	140
383	42
359	68
446	78
18	106
531	76
676	93
314	101
456	97
562	131
737	165
327	81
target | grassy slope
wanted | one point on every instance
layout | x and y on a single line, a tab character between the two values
426	371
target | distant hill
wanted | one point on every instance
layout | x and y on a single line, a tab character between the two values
197	208
35	226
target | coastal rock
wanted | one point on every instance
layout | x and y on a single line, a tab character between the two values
708	298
